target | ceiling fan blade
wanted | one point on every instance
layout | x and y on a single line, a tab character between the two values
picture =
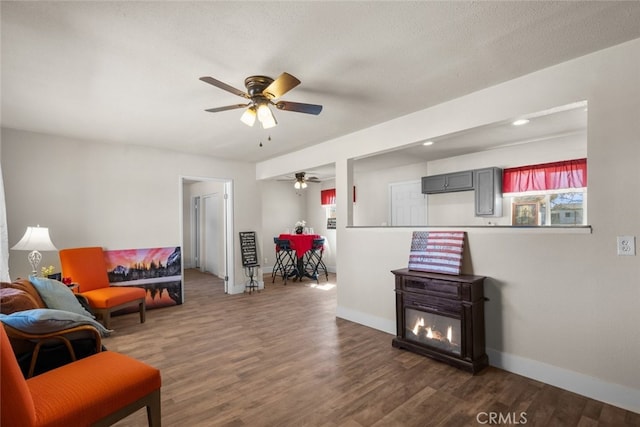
299	107
224	86
283	84
228	107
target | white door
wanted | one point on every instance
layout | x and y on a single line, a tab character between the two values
212	234
408	204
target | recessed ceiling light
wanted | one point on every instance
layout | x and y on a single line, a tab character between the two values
520	122
427	143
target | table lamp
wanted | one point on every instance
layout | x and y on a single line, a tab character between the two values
35	239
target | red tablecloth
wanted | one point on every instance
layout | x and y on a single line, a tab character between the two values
301	243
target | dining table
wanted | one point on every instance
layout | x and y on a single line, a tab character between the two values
301	243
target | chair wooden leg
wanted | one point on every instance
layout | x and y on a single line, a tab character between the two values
154	416
150	401
106	319
143	311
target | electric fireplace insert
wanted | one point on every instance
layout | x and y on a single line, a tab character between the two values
441	316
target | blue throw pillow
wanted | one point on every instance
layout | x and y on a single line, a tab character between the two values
58	296
46	320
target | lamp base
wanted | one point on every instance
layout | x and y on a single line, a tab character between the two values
34	259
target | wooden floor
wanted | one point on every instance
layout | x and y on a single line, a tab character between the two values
280	357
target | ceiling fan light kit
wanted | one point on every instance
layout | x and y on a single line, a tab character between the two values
249	116
302	179
261	91
266	116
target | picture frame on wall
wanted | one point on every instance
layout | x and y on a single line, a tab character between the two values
525	214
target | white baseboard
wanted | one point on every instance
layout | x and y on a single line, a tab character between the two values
614	394
594	388
374	322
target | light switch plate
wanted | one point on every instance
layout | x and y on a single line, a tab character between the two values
626	245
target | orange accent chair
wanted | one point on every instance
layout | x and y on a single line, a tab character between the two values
98	390
87	268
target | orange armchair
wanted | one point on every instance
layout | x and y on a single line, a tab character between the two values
98	390
87	268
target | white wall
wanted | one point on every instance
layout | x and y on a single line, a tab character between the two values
117	197
372	192
563	307
282	207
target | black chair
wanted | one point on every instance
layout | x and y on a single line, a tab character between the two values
286	265
313	261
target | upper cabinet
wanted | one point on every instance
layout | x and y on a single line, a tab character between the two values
486	182
448	182
488	194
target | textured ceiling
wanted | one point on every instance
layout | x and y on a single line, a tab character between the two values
127	72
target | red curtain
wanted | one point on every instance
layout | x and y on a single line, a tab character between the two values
328	197
547	176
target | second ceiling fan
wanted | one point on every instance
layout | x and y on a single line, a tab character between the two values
261	92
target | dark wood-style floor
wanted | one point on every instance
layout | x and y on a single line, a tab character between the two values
280	357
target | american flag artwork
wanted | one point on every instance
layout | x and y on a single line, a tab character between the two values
436	252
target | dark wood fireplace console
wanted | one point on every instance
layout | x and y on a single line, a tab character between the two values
441	316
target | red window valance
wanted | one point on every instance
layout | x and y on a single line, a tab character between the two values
328	197
547	176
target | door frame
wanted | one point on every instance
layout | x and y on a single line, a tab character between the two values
227	221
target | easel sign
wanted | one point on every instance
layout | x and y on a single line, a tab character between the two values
331	223
248	248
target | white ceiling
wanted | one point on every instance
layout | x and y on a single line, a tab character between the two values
127	72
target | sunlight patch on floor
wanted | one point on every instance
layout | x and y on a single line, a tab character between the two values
325	287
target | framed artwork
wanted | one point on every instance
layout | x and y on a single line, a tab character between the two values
157	270
437	252
525	214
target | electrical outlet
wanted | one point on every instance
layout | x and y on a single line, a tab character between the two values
265	260
626	245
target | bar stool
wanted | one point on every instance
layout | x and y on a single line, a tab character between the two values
285	260
314	262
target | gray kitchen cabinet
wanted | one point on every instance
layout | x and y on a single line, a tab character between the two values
488	191
448	182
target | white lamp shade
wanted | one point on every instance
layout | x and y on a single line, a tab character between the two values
249	116
266	116
35	239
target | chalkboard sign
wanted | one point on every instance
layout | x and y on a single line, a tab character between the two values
248	248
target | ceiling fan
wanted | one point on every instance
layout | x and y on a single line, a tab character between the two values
300	180
261	92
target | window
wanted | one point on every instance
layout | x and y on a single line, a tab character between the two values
548	194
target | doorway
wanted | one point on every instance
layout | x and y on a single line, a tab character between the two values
211	241
207	227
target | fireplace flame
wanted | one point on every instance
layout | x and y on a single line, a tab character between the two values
418	325
449	333
429	333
